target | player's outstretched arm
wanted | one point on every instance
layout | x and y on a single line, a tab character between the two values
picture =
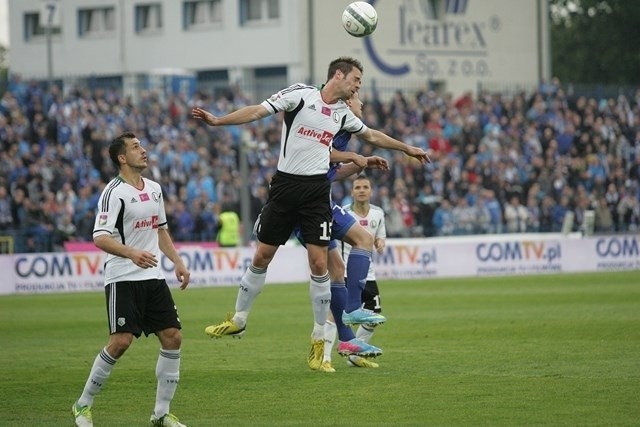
246	114
337	156
373	162
382	140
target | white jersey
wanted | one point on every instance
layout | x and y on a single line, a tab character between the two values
132	217
309	127
373	222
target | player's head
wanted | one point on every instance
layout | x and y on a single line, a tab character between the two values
345	65
127	150
348	72
355	105
361	189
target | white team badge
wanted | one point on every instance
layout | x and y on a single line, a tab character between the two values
336	117
121	321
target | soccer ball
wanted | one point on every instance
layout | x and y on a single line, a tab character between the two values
359	19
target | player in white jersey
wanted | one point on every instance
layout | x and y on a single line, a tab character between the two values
371	218
299	193
131	227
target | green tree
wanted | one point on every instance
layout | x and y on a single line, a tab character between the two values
595	41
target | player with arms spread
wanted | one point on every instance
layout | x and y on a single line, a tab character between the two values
299	193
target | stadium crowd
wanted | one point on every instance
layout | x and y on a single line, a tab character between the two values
501	162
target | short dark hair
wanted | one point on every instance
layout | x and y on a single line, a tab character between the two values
118	146
344	64
362	176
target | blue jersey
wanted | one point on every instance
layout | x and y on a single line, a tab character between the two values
340	143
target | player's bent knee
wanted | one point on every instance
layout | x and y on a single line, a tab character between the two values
170	339
263	255
118	344
362	238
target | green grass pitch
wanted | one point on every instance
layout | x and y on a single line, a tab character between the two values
546	350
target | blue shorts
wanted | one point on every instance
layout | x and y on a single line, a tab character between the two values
342	222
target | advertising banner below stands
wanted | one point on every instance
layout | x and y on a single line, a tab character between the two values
468	256
82	271
492	255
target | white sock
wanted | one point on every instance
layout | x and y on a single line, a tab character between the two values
330	332
365	332
320	291
251	285
98	376
168	374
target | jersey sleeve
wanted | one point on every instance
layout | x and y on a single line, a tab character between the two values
353	124
109	207
162	214
286	99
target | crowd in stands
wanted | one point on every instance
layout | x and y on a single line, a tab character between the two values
500	162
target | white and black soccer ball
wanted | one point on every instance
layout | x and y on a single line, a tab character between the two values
359	19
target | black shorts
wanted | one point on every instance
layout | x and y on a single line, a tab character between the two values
296	200
371	296
141	306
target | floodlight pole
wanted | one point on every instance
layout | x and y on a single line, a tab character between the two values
51	7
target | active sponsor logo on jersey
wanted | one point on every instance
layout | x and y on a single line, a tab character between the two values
144	197
312	134
146	223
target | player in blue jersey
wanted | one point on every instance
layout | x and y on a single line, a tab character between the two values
346	298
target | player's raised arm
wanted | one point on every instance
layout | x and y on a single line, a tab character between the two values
348	156
373	162
246	114
379	139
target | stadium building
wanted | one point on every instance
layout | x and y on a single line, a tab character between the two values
180	45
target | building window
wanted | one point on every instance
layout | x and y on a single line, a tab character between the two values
97	22
202	14
148	18
259	11
33	28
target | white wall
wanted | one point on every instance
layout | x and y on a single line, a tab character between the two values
494	41
127	52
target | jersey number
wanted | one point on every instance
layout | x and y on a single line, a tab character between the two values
326	231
